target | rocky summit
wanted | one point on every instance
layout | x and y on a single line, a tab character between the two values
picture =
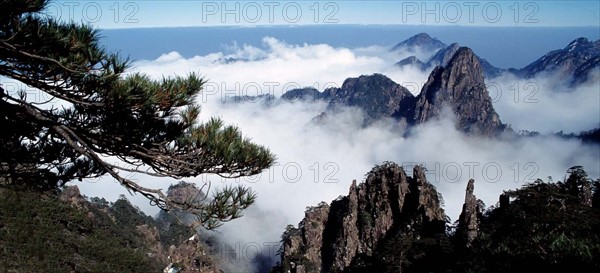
459	86
353	228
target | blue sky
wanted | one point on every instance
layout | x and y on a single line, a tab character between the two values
163	13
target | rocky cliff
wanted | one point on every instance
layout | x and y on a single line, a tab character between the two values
353	228
459	86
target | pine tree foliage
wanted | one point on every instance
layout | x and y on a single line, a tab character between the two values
88	118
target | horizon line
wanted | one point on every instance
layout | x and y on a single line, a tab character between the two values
337	24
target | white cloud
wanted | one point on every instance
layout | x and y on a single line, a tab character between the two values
278	67
545	104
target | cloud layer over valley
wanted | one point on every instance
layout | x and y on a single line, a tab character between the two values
318	163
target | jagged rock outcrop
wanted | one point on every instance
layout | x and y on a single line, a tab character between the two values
184	192
460	86
71	195
190	256
572	63
186	254
332	237
304	243
468	222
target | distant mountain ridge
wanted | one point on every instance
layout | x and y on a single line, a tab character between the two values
441	57
421	41
572	63
459	85
457	82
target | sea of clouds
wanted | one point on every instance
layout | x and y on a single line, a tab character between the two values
318	163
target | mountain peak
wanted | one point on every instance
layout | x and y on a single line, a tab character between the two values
423	35
459	85
412	60
377	95
578	42
421	41
465	57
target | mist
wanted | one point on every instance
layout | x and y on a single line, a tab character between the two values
545	103
318	163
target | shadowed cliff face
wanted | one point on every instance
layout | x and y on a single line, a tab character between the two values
459	86
332	237
376	95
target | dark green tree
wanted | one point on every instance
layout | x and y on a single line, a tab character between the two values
547	226
86	119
